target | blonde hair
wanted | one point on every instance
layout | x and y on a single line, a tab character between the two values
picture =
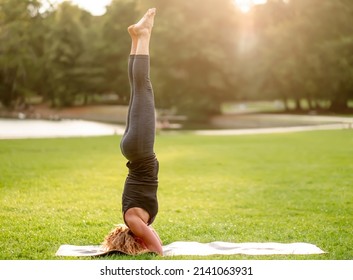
123	240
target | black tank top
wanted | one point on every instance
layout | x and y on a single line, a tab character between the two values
141	186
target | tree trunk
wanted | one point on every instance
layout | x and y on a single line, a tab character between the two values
339	105
285	103
298	106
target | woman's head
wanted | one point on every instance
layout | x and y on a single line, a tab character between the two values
123	240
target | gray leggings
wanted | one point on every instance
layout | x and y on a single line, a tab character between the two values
137	143
138	140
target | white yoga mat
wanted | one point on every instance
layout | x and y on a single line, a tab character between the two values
188	248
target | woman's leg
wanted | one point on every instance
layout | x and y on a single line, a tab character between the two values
138	140
134	41
130	65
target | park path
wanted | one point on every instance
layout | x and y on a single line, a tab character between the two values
242	124
268	130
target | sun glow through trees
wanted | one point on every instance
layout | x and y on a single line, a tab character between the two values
245	5
97	7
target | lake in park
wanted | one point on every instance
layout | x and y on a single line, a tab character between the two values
16	129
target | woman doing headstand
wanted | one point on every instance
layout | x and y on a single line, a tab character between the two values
139	199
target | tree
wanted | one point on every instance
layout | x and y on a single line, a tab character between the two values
193	55
338	76
115	47
64	49
19	50
301	45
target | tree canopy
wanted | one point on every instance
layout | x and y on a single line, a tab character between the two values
204	53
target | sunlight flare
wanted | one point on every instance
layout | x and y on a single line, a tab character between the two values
246	5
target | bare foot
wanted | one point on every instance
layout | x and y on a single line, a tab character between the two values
131	30
144	26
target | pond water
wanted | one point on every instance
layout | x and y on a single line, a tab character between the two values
16	129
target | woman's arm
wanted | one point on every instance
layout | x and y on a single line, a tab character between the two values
144	232
156	234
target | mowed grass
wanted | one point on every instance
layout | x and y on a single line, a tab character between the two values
295	187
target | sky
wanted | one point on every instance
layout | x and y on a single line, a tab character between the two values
97	7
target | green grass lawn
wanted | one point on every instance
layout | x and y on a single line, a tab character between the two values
295	187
